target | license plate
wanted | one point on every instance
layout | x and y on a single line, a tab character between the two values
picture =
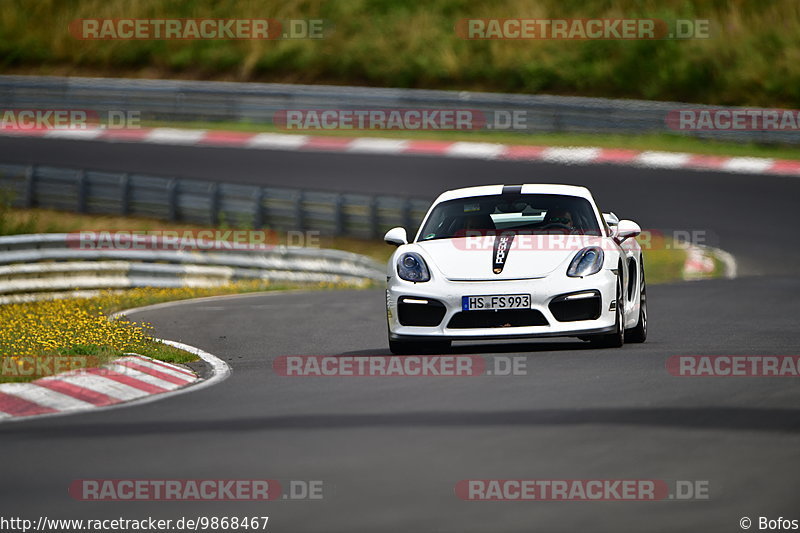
497	301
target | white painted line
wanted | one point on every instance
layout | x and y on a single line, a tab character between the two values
370	145
103	385
174	136
277	141
74	134
221	369
141	376
662	159
477	150
747	165
44	397
160	368
571	155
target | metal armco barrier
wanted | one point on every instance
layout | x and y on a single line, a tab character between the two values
208	203
173	100
53	264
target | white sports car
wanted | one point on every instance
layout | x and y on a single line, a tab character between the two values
515	261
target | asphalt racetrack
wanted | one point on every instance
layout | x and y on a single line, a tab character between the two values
390	451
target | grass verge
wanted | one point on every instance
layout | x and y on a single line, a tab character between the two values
41	338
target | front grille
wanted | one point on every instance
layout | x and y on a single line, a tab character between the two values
418	314
504	318
572	310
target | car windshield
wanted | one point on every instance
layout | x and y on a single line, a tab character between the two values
517	214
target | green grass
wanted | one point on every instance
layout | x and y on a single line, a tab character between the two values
664	265
659	142
77	332
751	58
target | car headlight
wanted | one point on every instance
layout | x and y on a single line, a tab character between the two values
411	267
587	262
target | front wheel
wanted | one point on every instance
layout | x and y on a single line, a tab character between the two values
639	332
617	338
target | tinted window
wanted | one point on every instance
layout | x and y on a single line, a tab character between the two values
526	213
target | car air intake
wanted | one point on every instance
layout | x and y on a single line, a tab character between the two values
576	306
504	318
419	311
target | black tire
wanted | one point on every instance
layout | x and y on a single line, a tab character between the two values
617	338
638	333
410	348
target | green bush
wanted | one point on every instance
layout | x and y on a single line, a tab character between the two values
752	58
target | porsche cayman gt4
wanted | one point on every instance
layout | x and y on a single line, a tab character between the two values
515	261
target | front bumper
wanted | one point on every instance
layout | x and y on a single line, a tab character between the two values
543	292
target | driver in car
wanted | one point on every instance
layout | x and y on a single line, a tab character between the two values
559	216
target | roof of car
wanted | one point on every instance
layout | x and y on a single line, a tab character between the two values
528	188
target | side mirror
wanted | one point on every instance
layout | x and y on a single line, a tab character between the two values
396	236
611	219
626	229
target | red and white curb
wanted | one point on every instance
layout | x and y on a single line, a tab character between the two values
700	263
129	380
385	146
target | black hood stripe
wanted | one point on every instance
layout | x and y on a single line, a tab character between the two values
502	242
512	189
500	251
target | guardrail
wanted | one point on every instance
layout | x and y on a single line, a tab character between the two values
47	265
209	203
173	100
